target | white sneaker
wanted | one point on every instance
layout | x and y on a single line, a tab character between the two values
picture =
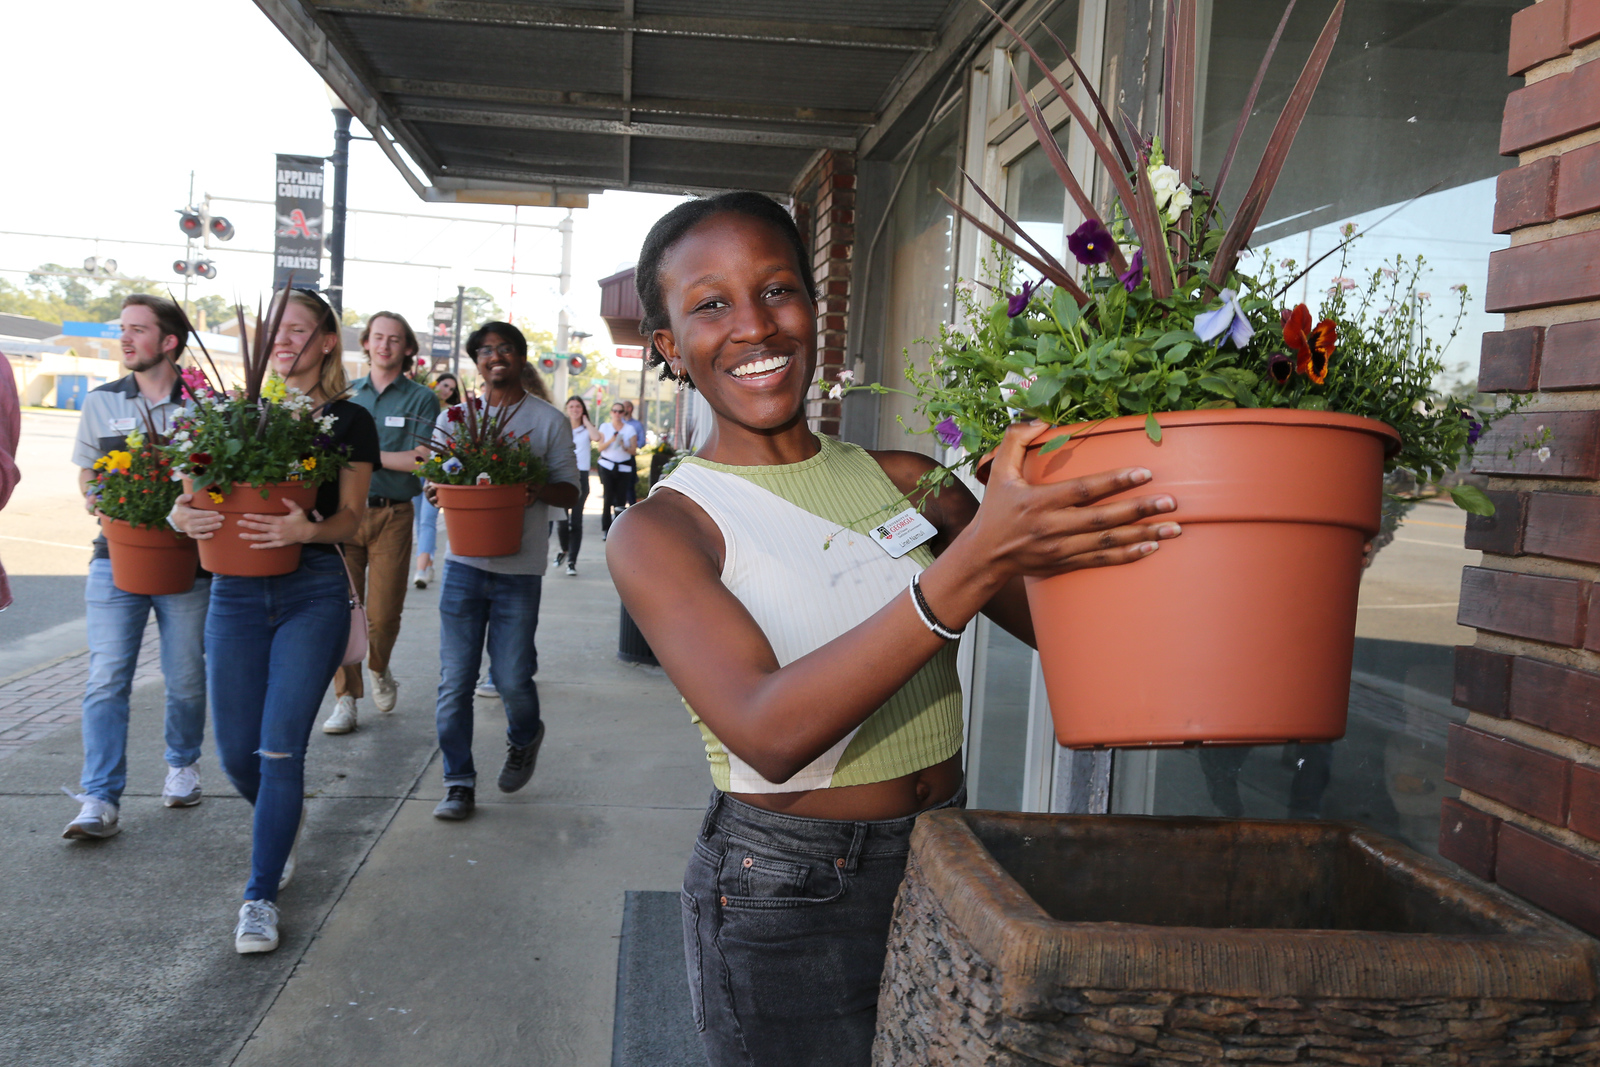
257	929
343	719
384	691
486	687
97	818
294	851
423	576
183	787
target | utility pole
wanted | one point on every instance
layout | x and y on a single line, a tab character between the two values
341	187
562	322
188	254
455	345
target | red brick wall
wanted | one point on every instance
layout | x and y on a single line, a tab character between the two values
830	221
1528	758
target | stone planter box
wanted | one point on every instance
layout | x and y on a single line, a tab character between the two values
1055	939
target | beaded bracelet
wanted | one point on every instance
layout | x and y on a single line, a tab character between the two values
925	613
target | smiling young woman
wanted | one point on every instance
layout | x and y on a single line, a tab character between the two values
819	668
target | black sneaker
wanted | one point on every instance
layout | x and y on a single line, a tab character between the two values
458	803
572	569
560	556
519	763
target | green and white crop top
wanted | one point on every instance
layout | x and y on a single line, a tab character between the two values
775	522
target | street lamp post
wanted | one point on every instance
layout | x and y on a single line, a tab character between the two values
341	187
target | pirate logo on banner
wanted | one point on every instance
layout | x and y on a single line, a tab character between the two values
297	246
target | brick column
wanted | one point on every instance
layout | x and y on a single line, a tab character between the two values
1528	758
832	224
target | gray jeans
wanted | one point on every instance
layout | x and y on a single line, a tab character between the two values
785	927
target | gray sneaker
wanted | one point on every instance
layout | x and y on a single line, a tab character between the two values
458	803
257	929
183	787
96	819
520	762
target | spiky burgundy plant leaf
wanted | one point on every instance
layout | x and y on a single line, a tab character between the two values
1249	106
1043	252
1056	274
1277	151
1094	98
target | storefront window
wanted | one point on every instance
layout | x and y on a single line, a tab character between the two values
1062	21
1408	118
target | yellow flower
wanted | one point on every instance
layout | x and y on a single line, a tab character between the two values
216	497
135	439
274	389
309	463
115	461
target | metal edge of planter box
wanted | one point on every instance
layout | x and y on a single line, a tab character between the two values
1536	957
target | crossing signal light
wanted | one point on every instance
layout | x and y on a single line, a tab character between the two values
189	268
205	268
191	224
221	228
547	364
576	363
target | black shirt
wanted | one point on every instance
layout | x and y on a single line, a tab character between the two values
353	428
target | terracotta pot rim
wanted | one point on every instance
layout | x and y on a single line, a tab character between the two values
1327	420
107	523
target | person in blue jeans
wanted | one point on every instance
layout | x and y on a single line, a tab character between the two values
498	596
154	332
273	644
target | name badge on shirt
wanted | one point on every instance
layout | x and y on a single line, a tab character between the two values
394	420
123	425
904	532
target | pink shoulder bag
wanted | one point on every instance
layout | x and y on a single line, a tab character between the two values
355	649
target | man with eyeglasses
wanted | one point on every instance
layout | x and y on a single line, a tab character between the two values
619	443
497	597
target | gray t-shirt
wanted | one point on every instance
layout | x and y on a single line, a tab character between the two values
110	414
549	433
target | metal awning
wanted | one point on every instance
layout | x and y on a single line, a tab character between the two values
513	102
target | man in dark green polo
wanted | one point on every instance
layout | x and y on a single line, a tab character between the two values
380	552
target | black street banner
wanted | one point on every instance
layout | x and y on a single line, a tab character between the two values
444	317
297	248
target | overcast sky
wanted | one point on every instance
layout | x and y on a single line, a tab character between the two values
112	104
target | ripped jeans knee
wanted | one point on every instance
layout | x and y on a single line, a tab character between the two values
289	765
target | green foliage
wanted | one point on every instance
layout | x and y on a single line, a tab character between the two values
476	450
136	484
222	440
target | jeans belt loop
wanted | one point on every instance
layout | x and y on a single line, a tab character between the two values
858	838
711	815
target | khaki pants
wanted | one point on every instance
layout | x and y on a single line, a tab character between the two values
380	559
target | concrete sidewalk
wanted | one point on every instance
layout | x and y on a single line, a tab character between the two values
406	940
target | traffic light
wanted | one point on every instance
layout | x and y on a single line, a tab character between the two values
190	223
221	228
189	268
576	363
547	364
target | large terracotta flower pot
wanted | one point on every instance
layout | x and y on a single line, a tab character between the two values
484	520
149	561
227	553
1242	630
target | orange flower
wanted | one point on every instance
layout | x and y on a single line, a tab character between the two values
1312	345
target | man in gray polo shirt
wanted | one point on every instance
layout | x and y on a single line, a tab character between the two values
154	332
380	553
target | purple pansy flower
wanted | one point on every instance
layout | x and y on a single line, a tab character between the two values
1131	278
948	432
1017	303
451	465
1474	428
1227	319
1091	243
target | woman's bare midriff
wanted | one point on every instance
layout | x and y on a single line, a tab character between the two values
892	799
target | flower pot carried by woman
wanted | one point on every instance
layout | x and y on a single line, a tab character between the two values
1272	428
135	490
481	477
245	454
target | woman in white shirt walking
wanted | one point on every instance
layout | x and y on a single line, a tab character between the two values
620	442
569	530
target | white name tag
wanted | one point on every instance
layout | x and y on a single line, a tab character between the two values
394	420
904	532
123	425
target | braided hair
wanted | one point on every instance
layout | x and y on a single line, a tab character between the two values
672	226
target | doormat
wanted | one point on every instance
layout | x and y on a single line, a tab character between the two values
654	1023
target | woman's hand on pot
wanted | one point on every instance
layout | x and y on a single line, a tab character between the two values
431	491
1047	529
193	522
278	531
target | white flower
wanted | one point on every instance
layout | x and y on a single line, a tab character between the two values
848	377
1543	453
1164	181
1179	203
325	423
835	391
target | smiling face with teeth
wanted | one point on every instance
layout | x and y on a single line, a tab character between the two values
743	328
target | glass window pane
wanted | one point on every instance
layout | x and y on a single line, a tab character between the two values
1037	200
1063	22
1003	734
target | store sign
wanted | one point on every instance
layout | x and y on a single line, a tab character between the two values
297	244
